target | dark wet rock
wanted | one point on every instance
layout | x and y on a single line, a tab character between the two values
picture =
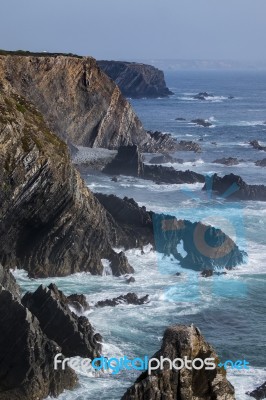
162	159
259	393
129	298
114	179
79	302
231	97
207	273
27	355
238	189
202	96
8	281
50	223
136	80
201	122
137	227
120	264
74	334
130	162
261	163
255	144
214	143
179	342
178	274
131	280
180	119
227	161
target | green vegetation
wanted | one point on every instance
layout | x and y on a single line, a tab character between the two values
38	54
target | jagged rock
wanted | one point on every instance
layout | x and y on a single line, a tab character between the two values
202	122
179	342
206	246
50	223
259	393
207	273
162	142
255	144
78	301
27	355
202	96
114	179
243	191
136	80
74	334
128	161
261	163
227	161
120	263
129	298
8	281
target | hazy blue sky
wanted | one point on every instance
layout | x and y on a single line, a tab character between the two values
137	29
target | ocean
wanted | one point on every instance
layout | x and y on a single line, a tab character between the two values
229	309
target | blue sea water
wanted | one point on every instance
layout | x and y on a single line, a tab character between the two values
229	309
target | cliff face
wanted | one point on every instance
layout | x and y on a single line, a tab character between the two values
136	80
78	101
50	223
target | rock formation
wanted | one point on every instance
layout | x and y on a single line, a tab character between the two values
136	80
201	122
27	355
227	161
238	189
198	384
164	159
78	301
129	161
50	223
255	144
8	281
129	298
259	393
162	142
261	163
74	334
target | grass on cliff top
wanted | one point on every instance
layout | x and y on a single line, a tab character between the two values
38	54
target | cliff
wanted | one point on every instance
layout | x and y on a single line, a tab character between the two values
78	101
136	80
50	223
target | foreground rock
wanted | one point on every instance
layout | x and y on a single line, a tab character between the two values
238	189
8	281
27	355
179	342
227	161
259	393
74	334
206	246
136	80
129	298
129	161
255	144
202	122
50	223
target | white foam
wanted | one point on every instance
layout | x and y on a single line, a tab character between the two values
246	381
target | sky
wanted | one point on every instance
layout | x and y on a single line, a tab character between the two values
139	29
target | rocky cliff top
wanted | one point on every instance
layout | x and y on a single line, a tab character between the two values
136	80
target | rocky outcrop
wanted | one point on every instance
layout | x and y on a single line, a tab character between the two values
129	298
261	163
162	142
206	247
129	161
255	144
198	384
74	334
227	161
8	281
50	223
202	96
164	159
259	393
78	301
236	188
78	101
136	80
202	122
27	355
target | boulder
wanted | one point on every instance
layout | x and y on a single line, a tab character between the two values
201	122
259	393
27	355
129	298
79	302
128	161
227	161
181	341
255	144
202	96
243	191
74	334
180	119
